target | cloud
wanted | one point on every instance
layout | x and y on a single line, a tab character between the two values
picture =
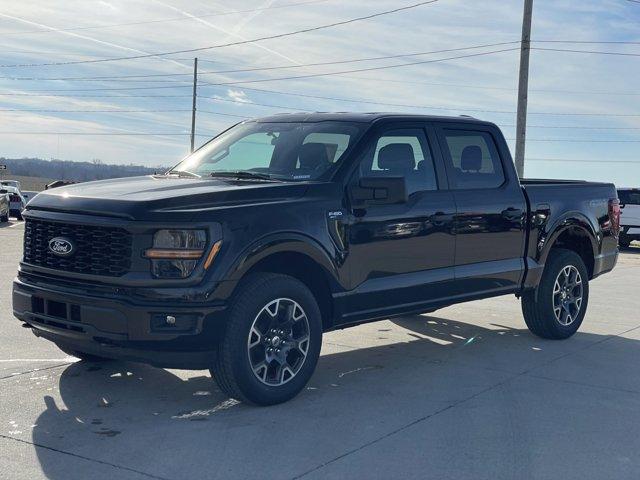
238	96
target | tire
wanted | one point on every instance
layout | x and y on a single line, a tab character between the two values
19	216
85	357
4	218
253	325
538	304
624	242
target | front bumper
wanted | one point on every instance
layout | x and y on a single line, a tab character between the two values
117	327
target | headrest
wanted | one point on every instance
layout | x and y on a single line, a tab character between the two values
397	157
313	156
471	159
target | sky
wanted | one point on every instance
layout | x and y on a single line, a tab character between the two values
584	108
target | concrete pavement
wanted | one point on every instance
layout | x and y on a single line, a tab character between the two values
465	392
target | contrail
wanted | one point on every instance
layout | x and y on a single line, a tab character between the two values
226	32
86	37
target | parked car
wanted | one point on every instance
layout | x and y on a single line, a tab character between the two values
282	228
11	183
4	205
630	215
16	202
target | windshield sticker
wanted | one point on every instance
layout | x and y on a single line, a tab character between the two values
301	177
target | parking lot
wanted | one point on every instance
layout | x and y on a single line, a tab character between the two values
464	392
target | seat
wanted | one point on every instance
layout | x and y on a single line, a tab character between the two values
313	157
471	159
397	158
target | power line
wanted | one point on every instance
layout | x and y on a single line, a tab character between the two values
575	140
350	100
260	69
240	42
623	54
573	127
46	110
431	107
592	42
576	160
122	78
369	69
163	20
240	82
158	134
133	95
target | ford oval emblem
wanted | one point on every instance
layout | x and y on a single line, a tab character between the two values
61	246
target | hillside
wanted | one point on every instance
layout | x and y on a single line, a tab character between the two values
34	173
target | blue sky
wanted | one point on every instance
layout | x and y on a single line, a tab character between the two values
581	106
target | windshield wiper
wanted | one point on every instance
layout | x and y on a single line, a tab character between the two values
244	174
183	173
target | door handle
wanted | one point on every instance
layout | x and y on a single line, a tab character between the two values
440	218
512	214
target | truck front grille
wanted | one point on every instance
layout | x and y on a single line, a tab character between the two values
96	250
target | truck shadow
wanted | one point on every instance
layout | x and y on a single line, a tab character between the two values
177	424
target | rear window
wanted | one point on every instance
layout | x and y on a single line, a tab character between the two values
629	197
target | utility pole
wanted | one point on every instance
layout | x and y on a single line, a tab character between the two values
523	87
193	106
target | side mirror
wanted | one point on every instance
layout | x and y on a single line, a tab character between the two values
380	191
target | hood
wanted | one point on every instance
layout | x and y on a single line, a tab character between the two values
143	198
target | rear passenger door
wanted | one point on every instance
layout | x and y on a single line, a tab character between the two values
489	223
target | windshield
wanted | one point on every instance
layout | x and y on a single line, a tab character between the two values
279	151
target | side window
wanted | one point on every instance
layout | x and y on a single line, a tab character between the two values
628	197
402	153
473	160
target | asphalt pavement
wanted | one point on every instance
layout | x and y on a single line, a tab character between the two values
463	393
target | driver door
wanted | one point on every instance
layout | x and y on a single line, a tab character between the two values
401	256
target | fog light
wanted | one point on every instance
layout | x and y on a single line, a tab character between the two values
183	322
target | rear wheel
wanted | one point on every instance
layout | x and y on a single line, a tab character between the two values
272	340
556	307
4	218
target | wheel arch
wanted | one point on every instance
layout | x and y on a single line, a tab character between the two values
573	232
295	255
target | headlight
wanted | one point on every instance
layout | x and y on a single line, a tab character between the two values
176	253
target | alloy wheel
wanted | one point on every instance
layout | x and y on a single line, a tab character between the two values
567	295
278	342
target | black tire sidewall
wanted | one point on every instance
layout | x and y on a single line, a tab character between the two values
254	295
559	259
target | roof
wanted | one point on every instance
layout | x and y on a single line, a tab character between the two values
364	117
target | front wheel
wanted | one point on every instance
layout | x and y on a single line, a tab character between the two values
271	342
556	307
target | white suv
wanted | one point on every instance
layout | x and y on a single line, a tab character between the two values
630	218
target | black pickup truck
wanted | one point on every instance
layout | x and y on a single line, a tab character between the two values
282	228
